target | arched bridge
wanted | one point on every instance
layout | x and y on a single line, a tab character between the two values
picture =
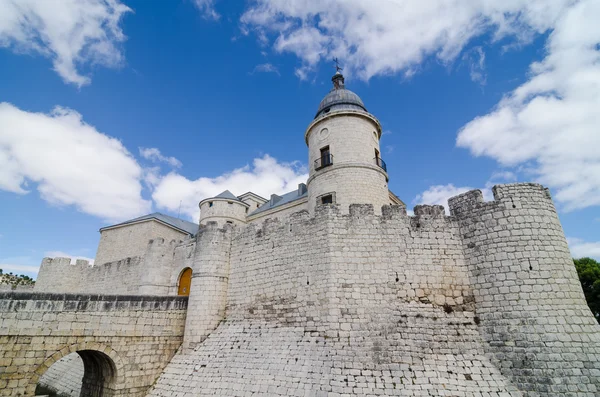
124	341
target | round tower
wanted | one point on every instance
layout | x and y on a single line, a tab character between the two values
343	153
223	209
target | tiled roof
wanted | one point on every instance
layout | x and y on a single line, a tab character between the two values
278	201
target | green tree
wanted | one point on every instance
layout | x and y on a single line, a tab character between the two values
589	276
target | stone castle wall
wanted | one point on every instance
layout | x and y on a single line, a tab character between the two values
156	272
131	240
534	318
352	304
484	302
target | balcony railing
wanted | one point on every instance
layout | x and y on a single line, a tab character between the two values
379	161
323	161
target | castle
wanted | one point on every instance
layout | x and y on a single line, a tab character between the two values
332	290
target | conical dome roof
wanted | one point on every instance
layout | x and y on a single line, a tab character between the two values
339	98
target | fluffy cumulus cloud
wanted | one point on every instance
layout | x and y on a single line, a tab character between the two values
72	33
265	176
547	129
390	36
69	162
584	249
549	125
439	195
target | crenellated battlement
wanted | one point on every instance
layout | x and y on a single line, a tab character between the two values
507	196
63	261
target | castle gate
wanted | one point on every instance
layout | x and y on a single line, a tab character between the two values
124	341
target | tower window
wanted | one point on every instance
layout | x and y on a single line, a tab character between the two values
327	198
229	202
325	159
229	222
210	203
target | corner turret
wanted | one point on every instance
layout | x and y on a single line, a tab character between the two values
223	209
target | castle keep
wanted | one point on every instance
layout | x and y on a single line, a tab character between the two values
329	290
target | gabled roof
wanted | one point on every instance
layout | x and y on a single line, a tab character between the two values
176	223
253	196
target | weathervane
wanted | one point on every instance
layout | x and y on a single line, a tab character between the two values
337	65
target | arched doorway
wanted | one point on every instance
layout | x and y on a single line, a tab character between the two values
88	373
185	282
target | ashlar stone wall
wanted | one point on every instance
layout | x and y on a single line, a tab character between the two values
130	241
338	305
534	318
156	272
134	336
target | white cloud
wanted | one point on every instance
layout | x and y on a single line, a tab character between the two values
74	258
475	59
264	177
69	162
72	33
388	36
20	265
207	8
583	249
439	194
549	125
265	68
19	269
153	154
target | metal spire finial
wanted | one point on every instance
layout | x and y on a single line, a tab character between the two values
337	65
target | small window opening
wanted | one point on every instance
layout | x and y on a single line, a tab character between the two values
229	202
325	159
230	222
210	203
376	153
328	199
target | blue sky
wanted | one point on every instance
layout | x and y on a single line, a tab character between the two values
113	109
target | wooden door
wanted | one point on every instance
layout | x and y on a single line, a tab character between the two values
185	281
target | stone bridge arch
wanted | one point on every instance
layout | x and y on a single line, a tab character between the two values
127	339
103	369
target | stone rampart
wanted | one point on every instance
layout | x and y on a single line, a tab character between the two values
343	304
154	273
135	336
534	318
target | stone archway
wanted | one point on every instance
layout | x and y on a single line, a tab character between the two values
102	370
